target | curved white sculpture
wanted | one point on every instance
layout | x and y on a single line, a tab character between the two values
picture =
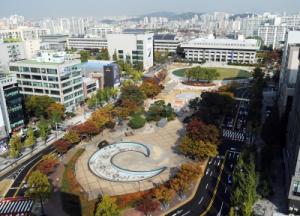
101	163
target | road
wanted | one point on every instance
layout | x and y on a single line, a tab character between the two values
19	173
213	194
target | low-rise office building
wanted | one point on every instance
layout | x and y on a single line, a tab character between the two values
54	42
166	43
221	50
55	74
87	43
133	47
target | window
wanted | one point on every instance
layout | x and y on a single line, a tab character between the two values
38	91
55	92
52	79
35	70
25	69
51	71
13	68
35	77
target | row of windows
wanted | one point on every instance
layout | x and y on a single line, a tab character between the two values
33	70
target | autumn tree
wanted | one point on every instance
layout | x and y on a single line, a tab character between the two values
107	207
163	194
150	88
38	187
47	164
87	128
56	112
62	146
72	137
198	130
30	139
14	146
148	205
197	149
102	116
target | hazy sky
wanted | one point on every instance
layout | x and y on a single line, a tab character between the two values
100	8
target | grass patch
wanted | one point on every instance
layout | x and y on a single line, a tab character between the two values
225	73
71	186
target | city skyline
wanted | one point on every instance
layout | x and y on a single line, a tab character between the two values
56	8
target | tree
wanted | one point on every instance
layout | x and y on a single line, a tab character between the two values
198	149
30	139
56	112
148	205
199	73
107	207
48	164
179	185
198	130
84	55
62	146
102	116
43	127
37	105
136	122
14	146
72	137
115	56
38	187
87	128
163	194
159	110
150	88
133	93
103	55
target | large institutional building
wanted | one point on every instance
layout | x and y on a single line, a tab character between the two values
56	74
166	43
221	50
86	43
136	48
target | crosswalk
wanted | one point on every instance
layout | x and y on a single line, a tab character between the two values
233	135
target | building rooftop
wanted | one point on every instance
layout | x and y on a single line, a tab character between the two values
166	36
34	61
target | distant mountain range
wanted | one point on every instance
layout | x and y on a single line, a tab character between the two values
171	15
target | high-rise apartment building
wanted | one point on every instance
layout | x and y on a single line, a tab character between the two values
272	35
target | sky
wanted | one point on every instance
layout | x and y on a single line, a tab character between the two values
102	8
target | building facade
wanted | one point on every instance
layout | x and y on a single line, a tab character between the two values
136	48
221	50
11	108
288	71
291	153
86	43
54	42
272	35
57	75
166	43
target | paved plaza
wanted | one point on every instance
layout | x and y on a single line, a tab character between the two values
161	142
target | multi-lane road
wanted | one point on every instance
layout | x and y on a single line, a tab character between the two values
213	194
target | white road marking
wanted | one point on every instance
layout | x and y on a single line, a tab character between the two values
225	189
211	173
206	186
186	213
219	214
200	201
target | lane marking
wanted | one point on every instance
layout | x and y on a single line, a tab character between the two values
206	186
186	213
200	201
219	214
225	189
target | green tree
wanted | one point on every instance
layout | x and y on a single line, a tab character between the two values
104	55
15	146
107	207
43	127
159	110
84	55
37	105
30	139
38	187
115	56
136	122
133	93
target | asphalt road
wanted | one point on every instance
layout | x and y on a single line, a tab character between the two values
204	202
19	173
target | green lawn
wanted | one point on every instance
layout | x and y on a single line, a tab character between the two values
225	73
